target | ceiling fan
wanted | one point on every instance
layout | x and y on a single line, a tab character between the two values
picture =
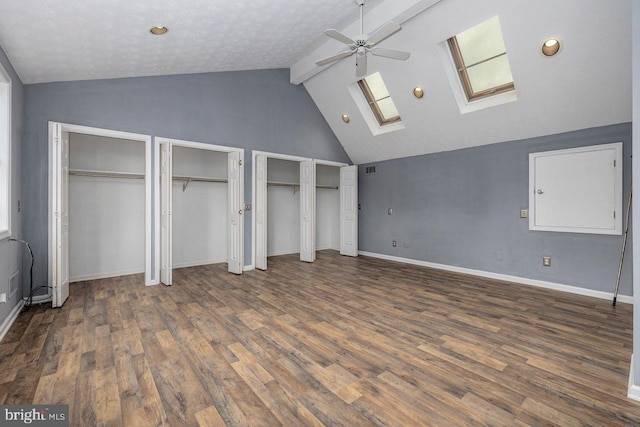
364	44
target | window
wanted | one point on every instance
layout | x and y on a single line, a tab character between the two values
379	99
5	152
481	60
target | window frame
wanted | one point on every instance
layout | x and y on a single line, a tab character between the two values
461	70
373	104
5	153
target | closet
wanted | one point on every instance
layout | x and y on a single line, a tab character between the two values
301	205
106	202
283	207
327	207
200	206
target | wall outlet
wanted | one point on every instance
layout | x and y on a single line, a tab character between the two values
546	261
394	243
524	213
390	211
3	297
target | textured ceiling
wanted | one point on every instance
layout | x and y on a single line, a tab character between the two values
63	40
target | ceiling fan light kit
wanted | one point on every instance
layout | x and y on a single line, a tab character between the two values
364	44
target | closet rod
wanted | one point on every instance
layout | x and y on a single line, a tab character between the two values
330	187
188	179
105	174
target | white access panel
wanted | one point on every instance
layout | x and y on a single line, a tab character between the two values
577	190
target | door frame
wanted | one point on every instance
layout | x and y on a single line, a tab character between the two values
54	167
338	165
268	155
200	146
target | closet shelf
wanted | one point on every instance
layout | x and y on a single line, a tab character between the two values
105	174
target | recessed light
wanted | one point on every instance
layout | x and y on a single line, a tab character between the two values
345	118
418	92
159	30
551	47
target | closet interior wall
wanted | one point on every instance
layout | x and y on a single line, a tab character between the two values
106	207
199	211
283	207
327	207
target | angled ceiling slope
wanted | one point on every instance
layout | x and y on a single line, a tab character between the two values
587	84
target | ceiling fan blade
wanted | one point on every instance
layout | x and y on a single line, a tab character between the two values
390	53
361	65
334	58
335	34
383	32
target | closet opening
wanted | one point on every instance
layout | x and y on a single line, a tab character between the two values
201	206
99	206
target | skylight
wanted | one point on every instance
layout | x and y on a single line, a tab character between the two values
379	99
481	60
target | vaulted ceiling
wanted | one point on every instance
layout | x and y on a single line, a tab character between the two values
588	84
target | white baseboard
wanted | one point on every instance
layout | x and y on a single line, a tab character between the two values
328	248
13	315
634	390
106	275
283	252
197	263
507	278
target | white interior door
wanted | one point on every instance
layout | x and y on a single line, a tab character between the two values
234	205
307	211
260	212
349	210
60	275
166	172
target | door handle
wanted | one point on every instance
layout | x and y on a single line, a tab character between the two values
240	212
540	191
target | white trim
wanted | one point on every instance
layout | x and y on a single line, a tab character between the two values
198	263
284	252
105	275
616	147
268	155
5	79
11	318
505	277
156	159
633	391
330	163
149	180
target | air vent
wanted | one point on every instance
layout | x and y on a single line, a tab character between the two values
369	170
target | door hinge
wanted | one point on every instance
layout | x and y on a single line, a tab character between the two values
614	163
240	162
614	214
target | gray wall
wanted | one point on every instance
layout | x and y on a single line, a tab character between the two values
461	208
254	110
11	253
635	37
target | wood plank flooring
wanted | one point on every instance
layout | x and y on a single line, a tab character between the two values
342	341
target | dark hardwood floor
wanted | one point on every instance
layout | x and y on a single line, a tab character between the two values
342	341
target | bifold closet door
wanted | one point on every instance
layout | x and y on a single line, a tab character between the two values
349	210
307	211
60	202
166	184
260	212
234	206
